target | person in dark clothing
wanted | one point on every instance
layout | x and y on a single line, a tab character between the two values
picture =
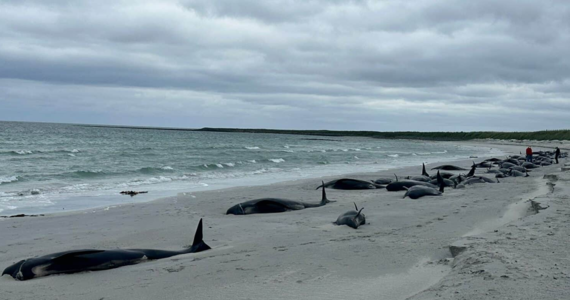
529	154
557	154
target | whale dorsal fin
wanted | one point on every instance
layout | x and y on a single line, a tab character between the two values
441	182
324	193
324	199
355	207
472	172
198	243
76	253
424	170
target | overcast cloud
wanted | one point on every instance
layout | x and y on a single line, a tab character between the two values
427	65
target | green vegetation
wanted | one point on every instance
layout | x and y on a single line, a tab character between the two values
416	135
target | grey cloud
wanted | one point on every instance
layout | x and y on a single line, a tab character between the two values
337	63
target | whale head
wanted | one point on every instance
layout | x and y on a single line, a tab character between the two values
236	210
20	270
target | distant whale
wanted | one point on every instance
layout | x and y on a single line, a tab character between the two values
383	181
94	260
419	191
449	168
273	205
351	184
401	185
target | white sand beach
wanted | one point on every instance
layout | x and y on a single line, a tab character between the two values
509	250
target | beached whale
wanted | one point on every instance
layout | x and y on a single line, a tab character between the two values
419	178
351	184
449	168
383	181
506	165
477	179
445	175
530	165
483	164
515	173
518	168
494	159
446	182
94	260
401	185
273	205
418	191
353	218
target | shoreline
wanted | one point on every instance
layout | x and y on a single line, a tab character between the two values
121	200
294	254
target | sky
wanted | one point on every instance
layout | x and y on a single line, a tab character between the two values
420	65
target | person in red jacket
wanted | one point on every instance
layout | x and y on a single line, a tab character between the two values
529	154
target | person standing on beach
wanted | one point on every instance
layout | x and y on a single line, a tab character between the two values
557	154
529	154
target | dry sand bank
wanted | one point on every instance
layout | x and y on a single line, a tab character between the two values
525	259
400	253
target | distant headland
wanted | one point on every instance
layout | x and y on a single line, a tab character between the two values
542	135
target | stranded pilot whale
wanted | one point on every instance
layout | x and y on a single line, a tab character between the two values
94	260
353	218
418	191
273	205
448	168
351	184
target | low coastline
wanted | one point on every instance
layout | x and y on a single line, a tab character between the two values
296	254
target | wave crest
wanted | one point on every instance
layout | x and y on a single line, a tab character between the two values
8	179
276	160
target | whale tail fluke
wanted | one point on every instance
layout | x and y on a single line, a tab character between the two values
358	214
198	245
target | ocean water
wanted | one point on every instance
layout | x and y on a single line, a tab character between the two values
59	167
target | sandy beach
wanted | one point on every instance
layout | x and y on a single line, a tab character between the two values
509	251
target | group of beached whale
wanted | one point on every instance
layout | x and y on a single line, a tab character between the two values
415	187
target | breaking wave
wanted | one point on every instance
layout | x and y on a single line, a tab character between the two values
276	160
9	179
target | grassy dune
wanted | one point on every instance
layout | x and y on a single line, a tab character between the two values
438	136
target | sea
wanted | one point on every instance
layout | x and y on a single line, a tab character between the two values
47	168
